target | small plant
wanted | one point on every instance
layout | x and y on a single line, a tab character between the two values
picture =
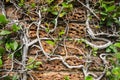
7	43
89	78
66	78
21	3
61	33
49	1
15	77
33	5
94	51
50	42
114	73
109	13
113	48
54	9
32	64
3	21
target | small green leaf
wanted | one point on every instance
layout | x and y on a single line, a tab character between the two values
7	46
15	77
38	63
20	4
103	13
14	45
61	33
1	42
21	1
65	5
2	50
1	63
47	29
112	48
108	50
108	73
31	60
5	32
33	5
88	78
50	42
95	49
31	66
117	45
15	28
66	78
49	1
111	8
117	55
116	71
62	14
54	12
3	19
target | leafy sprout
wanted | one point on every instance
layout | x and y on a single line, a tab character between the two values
55	8
89	78
3	20
109	13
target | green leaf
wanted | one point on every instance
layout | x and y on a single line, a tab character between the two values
47	29
95	49
117	55
104	6
66	78
50	42
54	12
111	8
112	48
61	33
108	73
31	60
108	50
116	71
33	5
38	63
65	5
15	28
49	1
7	46
31	66
88	78
14	45
62	14
44	9
3	19
2	50
1	42
117	45
5	32
1	63
21	1
21	4
15	77
103	13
